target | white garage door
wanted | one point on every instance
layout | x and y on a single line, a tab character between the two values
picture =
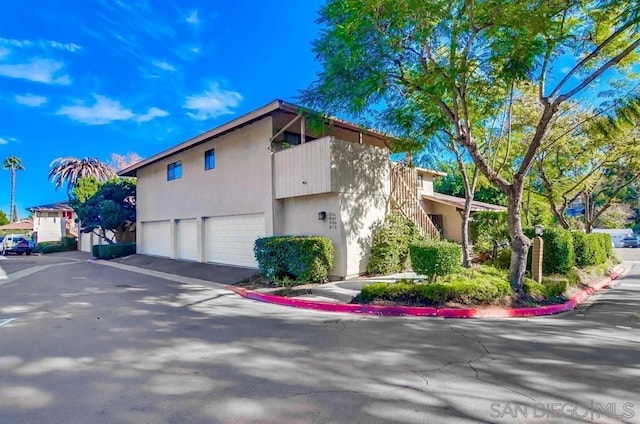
156	238
230	239
187	247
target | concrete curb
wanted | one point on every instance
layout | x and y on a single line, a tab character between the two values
421	311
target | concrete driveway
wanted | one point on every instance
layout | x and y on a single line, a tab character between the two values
94	344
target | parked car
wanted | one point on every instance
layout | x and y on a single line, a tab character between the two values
16	243
630	241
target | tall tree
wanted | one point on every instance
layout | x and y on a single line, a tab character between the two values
68	170
111	209
4	220
448	65
13	164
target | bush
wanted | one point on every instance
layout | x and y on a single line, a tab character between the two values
558	252
390	245
298	258
435	258
115	250
489	229
95	251
591	249
66	244
550	288
503	261
478	286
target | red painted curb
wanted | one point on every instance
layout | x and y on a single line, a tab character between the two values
577	299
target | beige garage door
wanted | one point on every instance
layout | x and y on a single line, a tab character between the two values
229	239
156	238
187	248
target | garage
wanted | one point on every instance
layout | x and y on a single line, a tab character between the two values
230	239
156	238
187	239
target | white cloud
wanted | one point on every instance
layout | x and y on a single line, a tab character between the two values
38	70
105	111
6	140
70	47
212	103
193	18
152	113
165	66
31	100
4	52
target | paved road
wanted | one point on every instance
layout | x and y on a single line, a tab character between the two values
96	344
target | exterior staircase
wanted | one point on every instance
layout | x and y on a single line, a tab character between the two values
404	198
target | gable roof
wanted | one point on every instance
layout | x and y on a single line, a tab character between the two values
241	121
458	202
26	224
58	206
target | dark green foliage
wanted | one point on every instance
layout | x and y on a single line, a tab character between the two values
488	231
112	208
591	249
435	258
66	244
558	251
477	286
4	220
95	251
390	245
503	261
115	250
301	259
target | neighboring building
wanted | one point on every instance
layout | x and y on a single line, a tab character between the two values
53	221
446	211
271	173
24	226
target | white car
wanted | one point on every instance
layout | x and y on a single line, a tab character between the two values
16	243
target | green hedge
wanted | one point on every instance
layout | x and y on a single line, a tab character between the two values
390	245
66	244
115	250
435	258
300	259
558	251
591	249
469	287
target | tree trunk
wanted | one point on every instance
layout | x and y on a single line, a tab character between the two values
13	194
519	242
466	245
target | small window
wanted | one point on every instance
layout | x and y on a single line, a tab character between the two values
291	138
420	179
209	160
174	171
52	214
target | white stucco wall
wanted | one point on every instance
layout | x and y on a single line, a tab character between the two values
240	183
49	228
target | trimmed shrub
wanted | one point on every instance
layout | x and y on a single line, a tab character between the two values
551	287
95	251
115	250
591	249
390	245
435	258
300	259
478	286
66	244
558	252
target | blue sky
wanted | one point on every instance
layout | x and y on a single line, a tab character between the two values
92	78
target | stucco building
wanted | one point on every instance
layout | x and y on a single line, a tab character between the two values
274	172
53	221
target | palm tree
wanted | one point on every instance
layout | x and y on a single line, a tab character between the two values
69	169
14	164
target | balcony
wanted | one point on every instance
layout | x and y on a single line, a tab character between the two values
330	165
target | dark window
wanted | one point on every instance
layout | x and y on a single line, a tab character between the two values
209	159
291	137
174	171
